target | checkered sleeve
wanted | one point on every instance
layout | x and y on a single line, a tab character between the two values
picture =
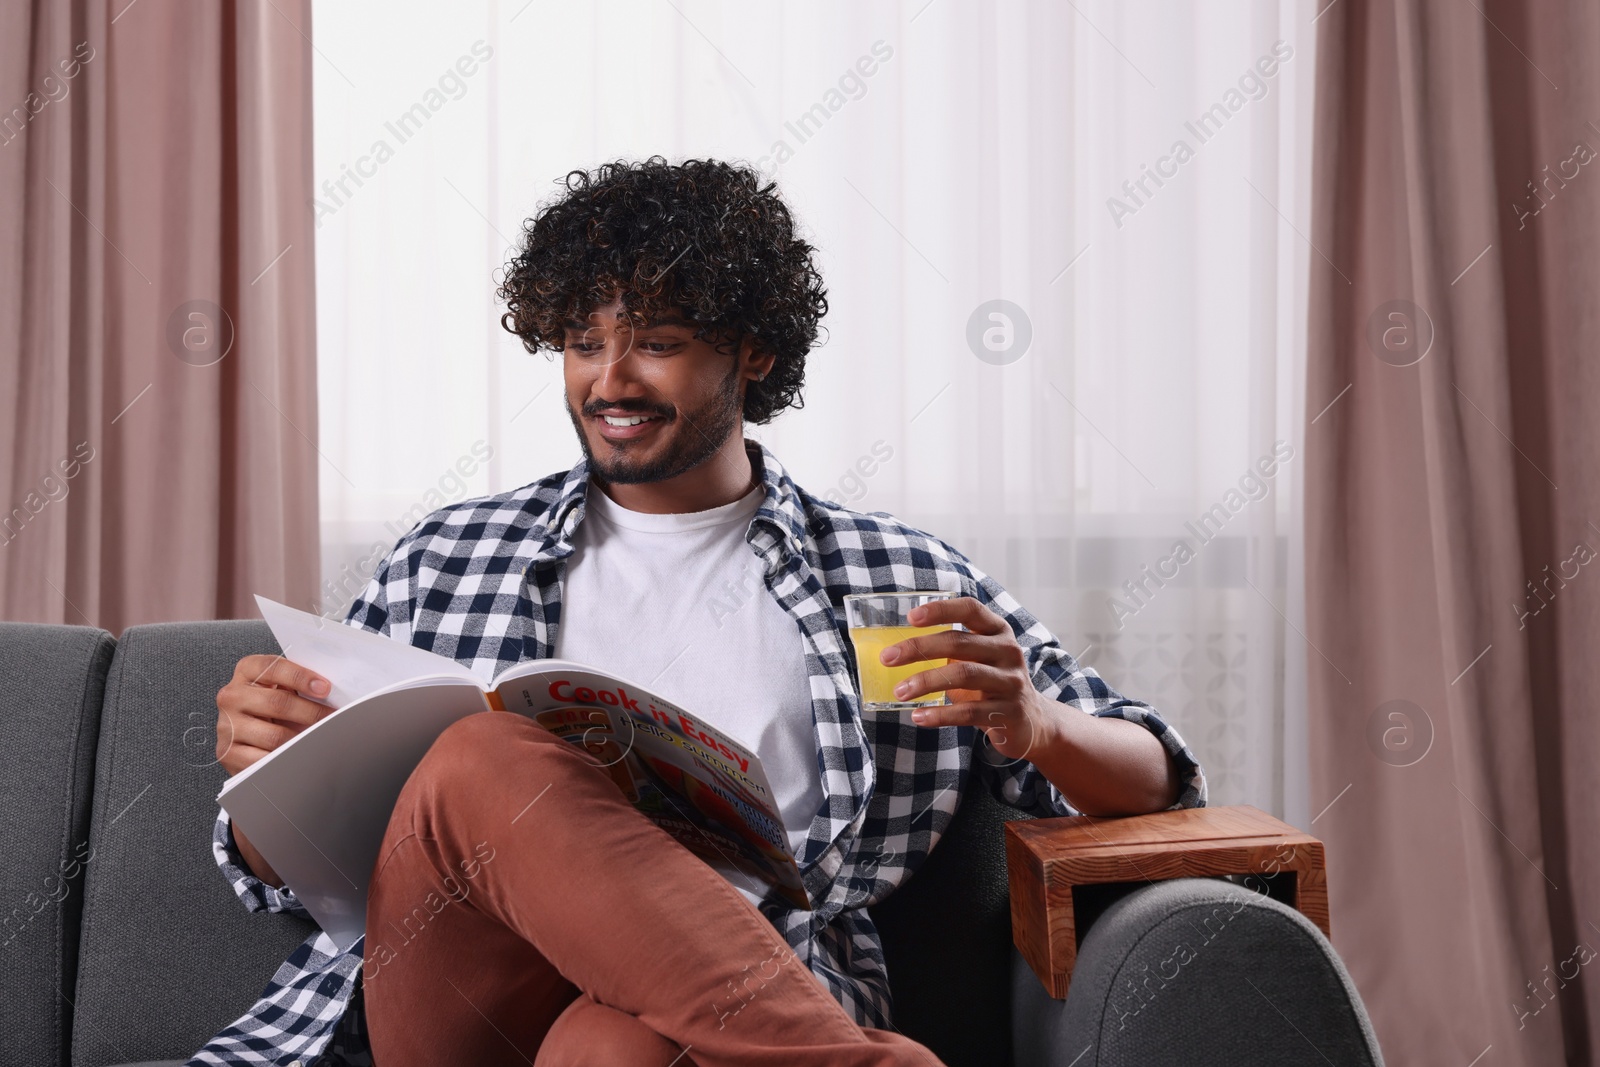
256	894
1059	676
370	610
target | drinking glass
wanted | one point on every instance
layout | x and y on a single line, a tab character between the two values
876	621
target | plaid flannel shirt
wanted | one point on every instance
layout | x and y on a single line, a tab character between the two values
481	582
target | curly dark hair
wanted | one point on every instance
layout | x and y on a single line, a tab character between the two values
703	236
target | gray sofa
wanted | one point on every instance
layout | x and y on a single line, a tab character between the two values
120	943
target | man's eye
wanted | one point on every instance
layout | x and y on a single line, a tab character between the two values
654	348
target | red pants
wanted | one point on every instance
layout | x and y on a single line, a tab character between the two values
522	911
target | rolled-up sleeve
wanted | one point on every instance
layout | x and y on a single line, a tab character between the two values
1058	675
256	894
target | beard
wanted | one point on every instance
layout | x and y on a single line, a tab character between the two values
688	438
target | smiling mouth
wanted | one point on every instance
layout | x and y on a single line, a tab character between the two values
619	428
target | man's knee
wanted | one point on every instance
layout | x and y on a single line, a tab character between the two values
468	751
468	746
588	1032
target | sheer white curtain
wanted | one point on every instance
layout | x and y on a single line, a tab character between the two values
943	154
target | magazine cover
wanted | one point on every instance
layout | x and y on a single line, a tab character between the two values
700	785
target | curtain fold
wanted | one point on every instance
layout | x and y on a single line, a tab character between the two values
1451	512
157	310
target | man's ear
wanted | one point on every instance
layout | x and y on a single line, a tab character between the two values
753	362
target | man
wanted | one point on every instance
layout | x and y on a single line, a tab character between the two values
680	554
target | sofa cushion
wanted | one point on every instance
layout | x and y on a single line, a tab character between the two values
49	717
169	955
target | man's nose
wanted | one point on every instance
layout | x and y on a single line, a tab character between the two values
618	376
618	371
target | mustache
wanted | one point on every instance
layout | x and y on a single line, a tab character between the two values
633	407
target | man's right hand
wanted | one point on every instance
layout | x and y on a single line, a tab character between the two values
268	701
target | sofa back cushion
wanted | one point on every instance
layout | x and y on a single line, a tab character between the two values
168	955
49	716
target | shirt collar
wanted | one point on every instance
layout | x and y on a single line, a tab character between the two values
782	510
783	507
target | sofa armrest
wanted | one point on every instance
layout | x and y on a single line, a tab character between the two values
1198	971
1060	867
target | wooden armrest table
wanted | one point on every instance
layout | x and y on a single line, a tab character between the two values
1047	858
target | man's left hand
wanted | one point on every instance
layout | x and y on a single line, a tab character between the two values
987	677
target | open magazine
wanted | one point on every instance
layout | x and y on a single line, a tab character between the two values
317	806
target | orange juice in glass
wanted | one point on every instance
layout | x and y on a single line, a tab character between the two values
876	621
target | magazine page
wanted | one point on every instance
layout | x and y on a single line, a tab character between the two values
318	806
699	784
355	662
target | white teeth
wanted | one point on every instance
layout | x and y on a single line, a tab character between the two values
632	420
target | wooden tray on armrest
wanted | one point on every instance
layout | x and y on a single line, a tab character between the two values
1047	858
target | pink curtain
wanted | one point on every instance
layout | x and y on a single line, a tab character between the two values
1453	521
157	315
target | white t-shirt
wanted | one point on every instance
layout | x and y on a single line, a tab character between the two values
677	603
